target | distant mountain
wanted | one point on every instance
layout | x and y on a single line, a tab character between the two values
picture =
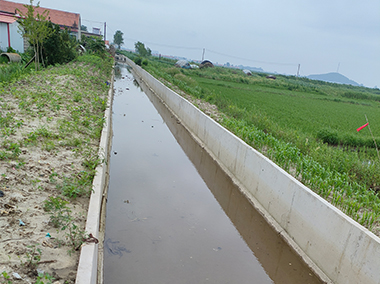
333	77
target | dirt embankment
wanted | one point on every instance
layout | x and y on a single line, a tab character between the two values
50	124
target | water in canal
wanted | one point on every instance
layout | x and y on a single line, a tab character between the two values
172	215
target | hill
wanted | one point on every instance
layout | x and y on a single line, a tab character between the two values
333	77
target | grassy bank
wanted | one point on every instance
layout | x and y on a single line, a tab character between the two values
50	123
292	120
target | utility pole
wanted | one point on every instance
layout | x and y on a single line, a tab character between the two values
203	55
298	71
80	29
105	30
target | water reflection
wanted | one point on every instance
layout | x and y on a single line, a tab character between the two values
117	69
164	224
281	263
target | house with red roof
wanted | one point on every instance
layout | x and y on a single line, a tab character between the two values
9	36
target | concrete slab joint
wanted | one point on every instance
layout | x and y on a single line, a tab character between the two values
336	247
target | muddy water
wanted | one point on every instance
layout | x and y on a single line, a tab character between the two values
172	215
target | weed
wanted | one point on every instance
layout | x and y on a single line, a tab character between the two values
8	131
59	212
20	165
44	278
35	181
73	187
11	150
75	236
60	217
7	278
32	256
49	145
54	204
52	176
10	72
91	159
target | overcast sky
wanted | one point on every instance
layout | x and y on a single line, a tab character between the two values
322	36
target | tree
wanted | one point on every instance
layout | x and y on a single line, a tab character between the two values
94	45
141	50
118	38
83	28
35	28
60	47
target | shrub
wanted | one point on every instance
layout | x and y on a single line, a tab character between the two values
138	60
3	59
11	50
328	136
94	45
59	47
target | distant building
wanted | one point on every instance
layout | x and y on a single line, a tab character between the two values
9	37
206	64
96	31
9	26
183	64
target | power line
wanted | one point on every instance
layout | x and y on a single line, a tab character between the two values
166	45
93	21
216	52
252	60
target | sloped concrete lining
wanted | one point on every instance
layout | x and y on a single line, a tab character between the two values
336	247
89	261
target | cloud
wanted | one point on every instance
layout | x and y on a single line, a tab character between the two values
316	34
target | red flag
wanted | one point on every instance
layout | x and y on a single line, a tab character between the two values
361	127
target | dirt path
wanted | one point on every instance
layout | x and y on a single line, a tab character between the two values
50	125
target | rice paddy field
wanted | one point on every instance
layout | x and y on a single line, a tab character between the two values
307	127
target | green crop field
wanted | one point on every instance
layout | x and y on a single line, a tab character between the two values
307	112
306	127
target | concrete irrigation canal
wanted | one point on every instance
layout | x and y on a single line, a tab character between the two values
173	215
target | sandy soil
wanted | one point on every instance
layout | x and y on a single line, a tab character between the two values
43	148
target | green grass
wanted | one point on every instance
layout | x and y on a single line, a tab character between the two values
309	113
291	120
11	72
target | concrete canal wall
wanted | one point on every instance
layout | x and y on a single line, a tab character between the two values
90	265
337	248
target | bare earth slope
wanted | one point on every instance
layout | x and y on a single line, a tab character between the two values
50	124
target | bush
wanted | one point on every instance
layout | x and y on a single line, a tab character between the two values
10	50
3	59
138	61
328	136
59	47
94	45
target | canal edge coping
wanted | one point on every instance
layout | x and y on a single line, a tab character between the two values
90	266
340	250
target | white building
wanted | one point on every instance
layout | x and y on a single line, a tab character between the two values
9	35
